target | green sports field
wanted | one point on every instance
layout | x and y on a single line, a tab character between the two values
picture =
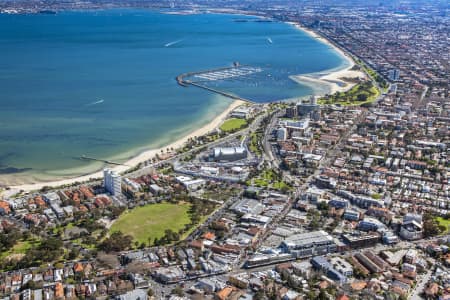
233	124
150	221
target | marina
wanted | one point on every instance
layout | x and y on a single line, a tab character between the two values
228	73
237	71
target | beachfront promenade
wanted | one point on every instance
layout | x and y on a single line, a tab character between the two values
216	75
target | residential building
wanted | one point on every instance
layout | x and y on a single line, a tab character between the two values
112	182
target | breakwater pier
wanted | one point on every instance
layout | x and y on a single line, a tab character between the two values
109	162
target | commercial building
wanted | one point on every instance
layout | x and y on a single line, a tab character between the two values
412	227
342	266
337	269
241	113
248	206
309	244
371	224
169	274
359	240
112	182
189	183
229	153
411	231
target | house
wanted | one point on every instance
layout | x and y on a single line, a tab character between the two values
291	295
87	270
59	291
4	208
16	279
70	291
58	274
48	275
224	293
78	268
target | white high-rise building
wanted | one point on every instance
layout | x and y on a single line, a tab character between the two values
112	182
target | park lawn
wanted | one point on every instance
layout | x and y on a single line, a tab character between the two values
264	179
350	97
280	185
444	222
219	195
253	145
148	222
20	248
268	178
268	174
260	182
377	196
233	124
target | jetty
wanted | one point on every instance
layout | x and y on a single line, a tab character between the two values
200	78
109	162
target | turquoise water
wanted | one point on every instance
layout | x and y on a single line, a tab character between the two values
101	83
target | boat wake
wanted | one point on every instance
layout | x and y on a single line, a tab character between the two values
95	102
172	43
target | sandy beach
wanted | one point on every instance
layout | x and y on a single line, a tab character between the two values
334	79
144	156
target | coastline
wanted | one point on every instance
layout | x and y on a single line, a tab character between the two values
132	162
329	79
333	79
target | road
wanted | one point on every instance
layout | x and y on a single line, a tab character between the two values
274	161
422	281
